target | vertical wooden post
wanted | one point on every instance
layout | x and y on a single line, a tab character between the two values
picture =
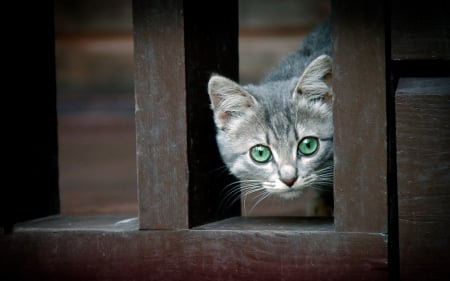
360	138
177	48
161	126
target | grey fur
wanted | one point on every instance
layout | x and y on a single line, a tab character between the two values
315	44
294	101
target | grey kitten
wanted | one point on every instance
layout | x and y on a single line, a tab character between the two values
277	136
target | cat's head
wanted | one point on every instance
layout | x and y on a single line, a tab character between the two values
277	136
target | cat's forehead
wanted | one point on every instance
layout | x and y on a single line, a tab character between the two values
279	117
276	126
299	119
277	92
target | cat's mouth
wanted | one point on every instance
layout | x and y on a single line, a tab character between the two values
290	194
285	191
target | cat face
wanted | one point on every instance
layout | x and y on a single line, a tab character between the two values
277	137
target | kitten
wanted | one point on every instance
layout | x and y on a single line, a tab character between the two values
277	136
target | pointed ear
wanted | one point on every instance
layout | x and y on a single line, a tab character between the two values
315	82
228	99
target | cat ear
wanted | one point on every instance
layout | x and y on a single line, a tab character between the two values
228	99
315	83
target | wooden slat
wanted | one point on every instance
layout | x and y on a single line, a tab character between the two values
359	87
420	32
177	48
207	254
161	126
272	223
423	164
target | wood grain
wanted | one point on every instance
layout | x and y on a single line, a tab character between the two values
161	125
208	254
177	49
423	164
360	141
420	32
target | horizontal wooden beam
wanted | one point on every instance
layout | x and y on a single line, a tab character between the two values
47	252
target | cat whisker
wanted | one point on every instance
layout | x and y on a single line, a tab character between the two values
235	190
238	184
262	197
321	181
324	179
263	194
321	188
325	170
219	170
251	191
235	194
230	197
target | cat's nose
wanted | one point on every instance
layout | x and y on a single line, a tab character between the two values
289	181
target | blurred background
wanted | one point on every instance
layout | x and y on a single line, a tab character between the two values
94	62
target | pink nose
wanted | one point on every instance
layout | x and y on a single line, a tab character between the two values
289	182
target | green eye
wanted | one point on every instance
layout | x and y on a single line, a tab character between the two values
260	153
308	146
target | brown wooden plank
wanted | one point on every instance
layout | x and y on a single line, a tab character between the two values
359	86
272	223
177	48
161	125
60	223
32	254
423	164
420	32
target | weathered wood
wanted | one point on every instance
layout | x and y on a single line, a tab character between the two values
209	254
423	164
60	223
420	32
161	125
177	48
359	87
271	224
